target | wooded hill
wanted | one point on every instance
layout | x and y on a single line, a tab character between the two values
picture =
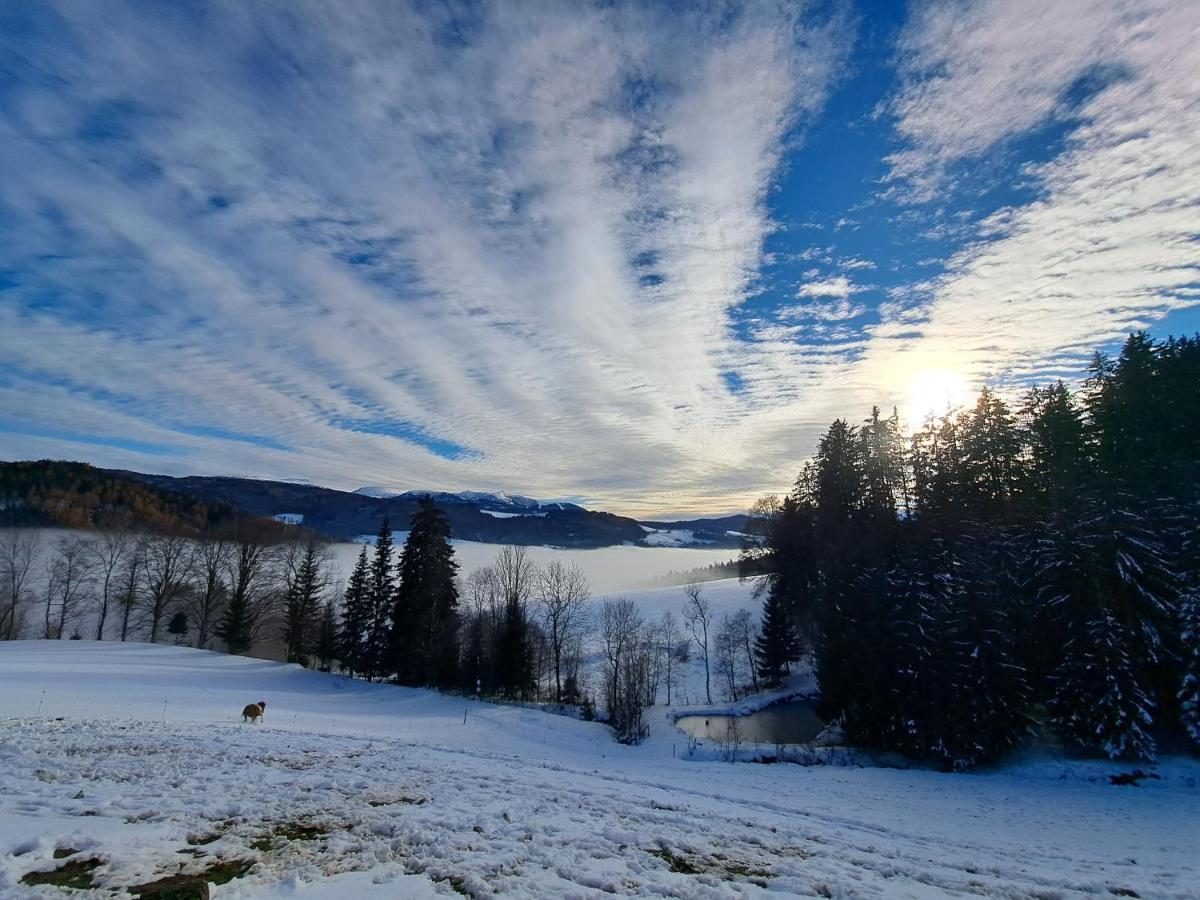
53	493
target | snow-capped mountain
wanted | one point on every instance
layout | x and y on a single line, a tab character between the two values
498	502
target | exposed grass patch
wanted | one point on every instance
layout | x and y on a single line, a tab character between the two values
679	864
716	864
395	801
223	871
76	874
457	882
64	852
288	831
200	840
193	886
173	887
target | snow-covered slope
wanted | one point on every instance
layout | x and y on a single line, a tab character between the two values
135	755
494	501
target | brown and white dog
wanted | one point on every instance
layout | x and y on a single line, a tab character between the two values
254	712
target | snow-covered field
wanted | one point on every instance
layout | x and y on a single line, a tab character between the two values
135	756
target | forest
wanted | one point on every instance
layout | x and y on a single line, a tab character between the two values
1003	570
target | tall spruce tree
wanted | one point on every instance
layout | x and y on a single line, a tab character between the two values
1103	573
356	617
327	647
777	644
380	594
302	605
425	612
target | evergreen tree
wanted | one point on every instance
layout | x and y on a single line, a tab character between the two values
514	668
1102	573
236	627
425	611
178	626
991	446
1058	449
1100	704
986	715
1189	690
883	482
356	617
327	647
302	605
777	645
380	604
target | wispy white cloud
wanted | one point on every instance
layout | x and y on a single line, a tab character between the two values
838	286
392	243
1109	242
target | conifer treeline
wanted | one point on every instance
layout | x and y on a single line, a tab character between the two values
401	619
1001	569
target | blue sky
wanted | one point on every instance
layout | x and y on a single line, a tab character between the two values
634	254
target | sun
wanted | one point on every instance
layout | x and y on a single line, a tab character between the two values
935	392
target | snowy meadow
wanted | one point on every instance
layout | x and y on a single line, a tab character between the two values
131	761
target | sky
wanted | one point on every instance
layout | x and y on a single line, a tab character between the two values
634	255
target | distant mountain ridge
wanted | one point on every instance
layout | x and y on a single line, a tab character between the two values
493	518
504	502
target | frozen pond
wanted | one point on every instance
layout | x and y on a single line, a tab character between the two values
792	722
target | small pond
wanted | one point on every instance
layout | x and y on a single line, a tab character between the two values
791	722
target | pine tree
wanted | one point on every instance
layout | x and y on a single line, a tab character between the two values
425	611
881	451
356	617
380	603
777	643
991	445
1101	704
1189	690
1058	448
986	715
327	647
1102	573
178	626
302	605
514	669
236	627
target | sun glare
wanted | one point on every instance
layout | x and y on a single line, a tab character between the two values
935	392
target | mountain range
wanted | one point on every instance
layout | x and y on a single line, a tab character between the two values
495	518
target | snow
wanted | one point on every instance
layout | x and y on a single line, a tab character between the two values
512	515
289	518
126	751
675	537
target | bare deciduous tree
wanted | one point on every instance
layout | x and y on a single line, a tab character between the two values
168	567
746	632
626	660
726	649
516	575
130	582
669	635
252	590
68	581
20	551
109	551
563	599
211	588
698	614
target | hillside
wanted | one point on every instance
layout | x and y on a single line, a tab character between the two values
76	495
131	759
345	515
